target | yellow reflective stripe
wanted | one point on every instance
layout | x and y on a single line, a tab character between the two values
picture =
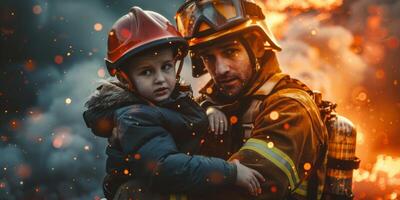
177	197
183	197
302	189
276	156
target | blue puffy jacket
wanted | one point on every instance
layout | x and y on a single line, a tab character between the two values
155	144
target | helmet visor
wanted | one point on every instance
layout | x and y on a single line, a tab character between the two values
198	17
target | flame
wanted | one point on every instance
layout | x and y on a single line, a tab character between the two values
385	174
283	5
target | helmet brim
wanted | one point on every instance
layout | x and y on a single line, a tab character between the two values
175	42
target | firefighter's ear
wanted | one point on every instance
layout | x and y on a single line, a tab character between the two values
256	42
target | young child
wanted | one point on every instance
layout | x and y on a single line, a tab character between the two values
152	125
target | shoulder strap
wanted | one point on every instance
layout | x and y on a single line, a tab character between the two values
250	114
270	84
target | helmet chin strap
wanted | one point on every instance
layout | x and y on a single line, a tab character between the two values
125	76
252	57
178	72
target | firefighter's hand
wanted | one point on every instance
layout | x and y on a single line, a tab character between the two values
248	178
218	121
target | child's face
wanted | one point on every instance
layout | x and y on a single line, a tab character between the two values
153	74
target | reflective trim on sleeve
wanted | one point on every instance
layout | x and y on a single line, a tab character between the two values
276	156
302	190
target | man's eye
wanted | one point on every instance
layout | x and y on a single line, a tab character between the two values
231	52
146	72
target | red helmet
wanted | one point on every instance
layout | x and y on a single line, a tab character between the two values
137	31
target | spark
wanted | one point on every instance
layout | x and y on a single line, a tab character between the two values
37	9
209	90
68	101
98	27
58	59
274	115
233	119
307	166
137	156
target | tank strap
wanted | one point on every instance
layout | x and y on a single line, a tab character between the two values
270	84
339	164
250	114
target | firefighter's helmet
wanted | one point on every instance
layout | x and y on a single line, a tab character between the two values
137	31
204	21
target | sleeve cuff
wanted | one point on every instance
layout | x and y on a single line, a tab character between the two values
231	174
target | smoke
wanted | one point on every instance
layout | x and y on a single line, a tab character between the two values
321	56
54	152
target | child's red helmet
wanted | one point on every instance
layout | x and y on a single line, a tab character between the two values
137	31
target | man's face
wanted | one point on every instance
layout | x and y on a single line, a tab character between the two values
153	74
229	66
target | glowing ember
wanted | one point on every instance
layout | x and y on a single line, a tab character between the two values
101	73
307	166
14	124
270	145
362	96
30	65
286	126
98	27
62	138
37	9
274	115
58	142
137	156
274	189
233	119
68	101
24	171
58	59
209	90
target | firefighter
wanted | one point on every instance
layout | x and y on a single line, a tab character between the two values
274	125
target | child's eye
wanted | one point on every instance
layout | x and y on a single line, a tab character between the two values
167	67
146	72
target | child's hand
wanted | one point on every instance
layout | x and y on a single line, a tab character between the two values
248	178
218	121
